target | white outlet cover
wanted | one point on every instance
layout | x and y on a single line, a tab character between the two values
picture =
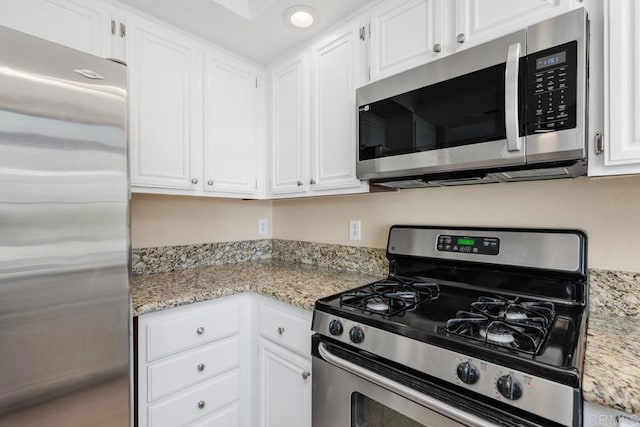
263	226
355	229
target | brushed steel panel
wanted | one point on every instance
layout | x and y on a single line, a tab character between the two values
553	251
64	227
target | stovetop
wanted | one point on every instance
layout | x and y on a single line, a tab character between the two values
519	300
435	320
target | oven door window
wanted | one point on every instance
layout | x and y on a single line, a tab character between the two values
461	111
366	412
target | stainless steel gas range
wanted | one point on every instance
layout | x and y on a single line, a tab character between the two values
477	327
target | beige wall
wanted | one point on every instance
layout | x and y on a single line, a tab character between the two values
608	209
179	220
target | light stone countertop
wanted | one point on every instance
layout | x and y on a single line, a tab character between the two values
611	373
293	283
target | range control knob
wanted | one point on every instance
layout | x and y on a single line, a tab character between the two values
468	373
509	387
335	327
356	335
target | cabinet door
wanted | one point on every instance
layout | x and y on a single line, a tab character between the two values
622	91
478	21
81	24
404	34
285	387
162	78
231	126
289	132
333	140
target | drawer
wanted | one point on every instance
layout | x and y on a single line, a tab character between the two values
286	329
197	402
192	367
200	326
228	417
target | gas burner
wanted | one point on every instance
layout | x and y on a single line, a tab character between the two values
377	306
498	336
390	297
519	325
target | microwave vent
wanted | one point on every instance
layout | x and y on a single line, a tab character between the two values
409	183
536	174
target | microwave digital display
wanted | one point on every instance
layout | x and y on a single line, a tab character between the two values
548	61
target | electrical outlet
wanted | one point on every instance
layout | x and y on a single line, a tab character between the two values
263	226
354	229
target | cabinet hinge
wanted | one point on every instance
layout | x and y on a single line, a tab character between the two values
363	33
369	28
123	30
599	143
369	73
256	82
256	183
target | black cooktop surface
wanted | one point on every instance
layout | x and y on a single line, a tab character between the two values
518	331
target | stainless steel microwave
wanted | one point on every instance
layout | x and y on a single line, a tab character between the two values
511	109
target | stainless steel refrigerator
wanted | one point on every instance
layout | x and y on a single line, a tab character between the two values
64	237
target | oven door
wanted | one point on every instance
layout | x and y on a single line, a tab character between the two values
352	389
459	113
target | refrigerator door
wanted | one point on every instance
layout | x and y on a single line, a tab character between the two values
64	237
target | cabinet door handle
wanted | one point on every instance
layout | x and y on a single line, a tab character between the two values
280	330
312	181
200	330
300	183
202	404
305	375
113	27
599	143
461	38
123	30
201	367
210	182
194	181
437	48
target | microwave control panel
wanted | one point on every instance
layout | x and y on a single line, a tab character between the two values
551	89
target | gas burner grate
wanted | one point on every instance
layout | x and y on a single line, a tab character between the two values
514	324
389	298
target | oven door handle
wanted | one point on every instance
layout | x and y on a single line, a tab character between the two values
402	390
511	119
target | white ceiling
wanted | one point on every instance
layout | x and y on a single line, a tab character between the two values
263	37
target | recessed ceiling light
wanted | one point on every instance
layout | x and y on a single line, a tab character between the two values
300	16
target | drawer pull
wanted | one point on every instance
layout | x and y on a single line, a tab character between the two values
305	375
202	404
280	330
200	330
201	367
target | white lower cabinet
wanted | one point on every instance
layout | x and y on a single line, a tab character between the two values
237	361
285	387
284	368
194	365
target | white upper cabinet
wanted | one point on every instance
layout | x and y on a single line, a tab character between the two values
622	90
80	24
231	125
163	75
289	134
478	21
313	118
404	34
335	65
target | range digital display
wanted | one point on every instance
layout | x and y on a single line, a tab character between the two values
472	245
551	60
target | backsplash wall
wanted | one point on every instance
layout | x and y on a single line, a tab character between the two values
608	209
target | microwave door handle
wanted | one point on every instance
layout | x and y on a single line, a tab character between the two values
402	390
511	119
